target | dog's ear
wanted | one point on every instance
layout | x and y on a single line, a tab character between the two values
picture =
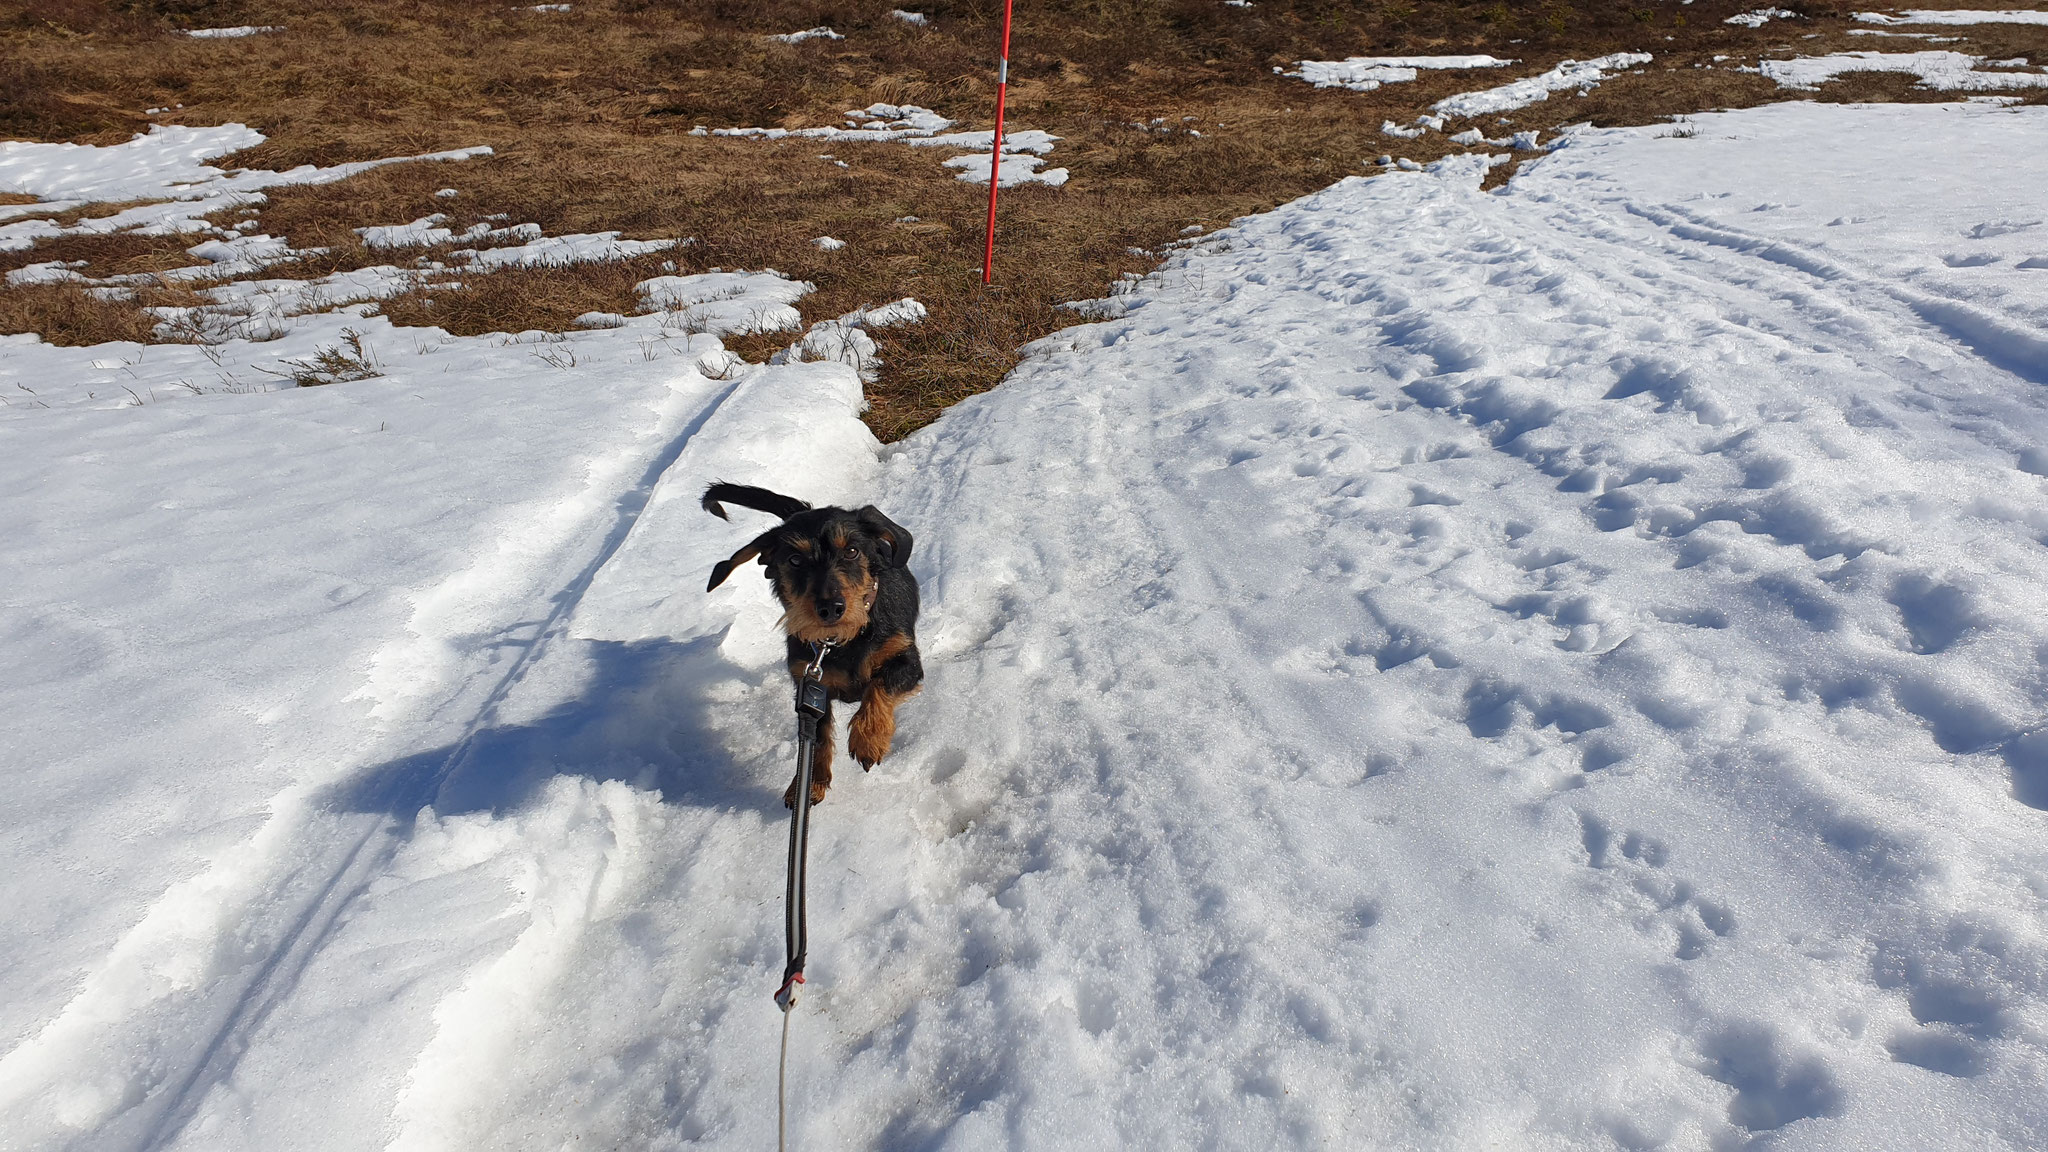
895	537
724	567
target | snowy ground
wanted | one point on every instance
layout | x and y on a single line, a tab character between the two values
1552	668
1024	151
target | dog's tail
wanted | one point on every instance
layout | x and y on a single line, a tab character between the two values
759	499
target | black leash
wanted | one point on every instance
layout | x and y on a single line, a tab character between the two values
811	700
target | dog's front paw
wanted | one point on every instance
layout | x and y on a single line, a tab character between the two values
869	742
817	794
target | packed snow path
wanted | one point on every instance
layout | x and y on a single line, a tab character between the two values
1559	667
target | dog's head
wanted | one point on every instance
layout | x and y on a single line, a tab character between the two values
825	565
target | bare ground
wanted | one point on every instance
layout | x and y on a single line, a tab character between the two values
1171	115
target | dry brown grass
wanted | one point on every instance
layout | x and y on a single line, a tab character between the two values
590	113
68	314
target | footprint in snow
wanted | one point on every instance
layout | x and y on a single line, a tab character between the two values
1958	1001
1774	1085
1638	860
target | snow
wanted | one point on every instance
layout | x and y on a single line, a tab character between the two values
916	18
1955	16
166	163
1927	36
560	251
819	33
877	122
1938	69
727	302
234	33
1023	151
1582	75
1760	17
846	338
164	168
536	251
1552	667
426	232
1365	73
1016	168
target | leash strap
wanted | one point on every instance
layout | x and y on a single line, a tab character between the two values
811	702
782	1089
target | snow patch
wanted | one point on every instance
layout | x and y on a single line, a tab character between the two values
1365	73
561	251
163	167
234	33
1023	150
1759	17
1938	69
818	33
845	340
1955	16
725	302
1582	75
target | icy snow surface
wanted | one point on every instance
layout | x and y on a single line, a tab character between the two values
1579	74
1551	668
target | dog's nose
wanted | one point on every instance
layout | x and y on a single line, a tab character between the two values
831	610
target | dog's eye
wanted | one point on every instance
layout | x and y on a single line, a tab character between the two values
850	552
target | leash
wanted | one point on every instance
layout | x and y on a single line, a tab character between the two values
811	701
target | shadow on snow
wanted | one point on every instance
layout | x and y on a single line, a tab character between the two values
645	717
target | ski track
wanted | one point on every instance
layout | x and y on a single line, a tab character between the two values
266	909
1548	670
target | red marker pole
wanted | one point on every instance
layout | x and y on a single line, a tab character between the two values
995	154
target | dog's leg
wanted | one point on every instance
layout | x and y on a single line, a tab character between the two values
874	726
821	764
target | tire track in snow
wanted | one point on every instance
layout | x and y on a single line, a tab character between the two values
1538	468
159	1074
2001	340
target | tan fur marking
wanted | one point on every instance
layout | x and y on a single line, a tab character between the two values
800	619
883	653
874	726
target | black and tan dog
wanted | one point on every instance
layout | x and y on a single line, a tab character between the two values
842	580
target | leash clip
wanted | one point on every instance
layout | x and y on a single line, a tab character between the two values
812	700
819	650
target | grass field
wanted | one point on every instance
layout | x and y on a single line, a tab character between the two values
1170	112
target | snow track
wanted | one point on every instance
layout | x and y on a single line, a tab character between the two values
1551	668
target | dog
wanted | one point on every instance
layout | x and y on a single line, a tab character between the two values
842	579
